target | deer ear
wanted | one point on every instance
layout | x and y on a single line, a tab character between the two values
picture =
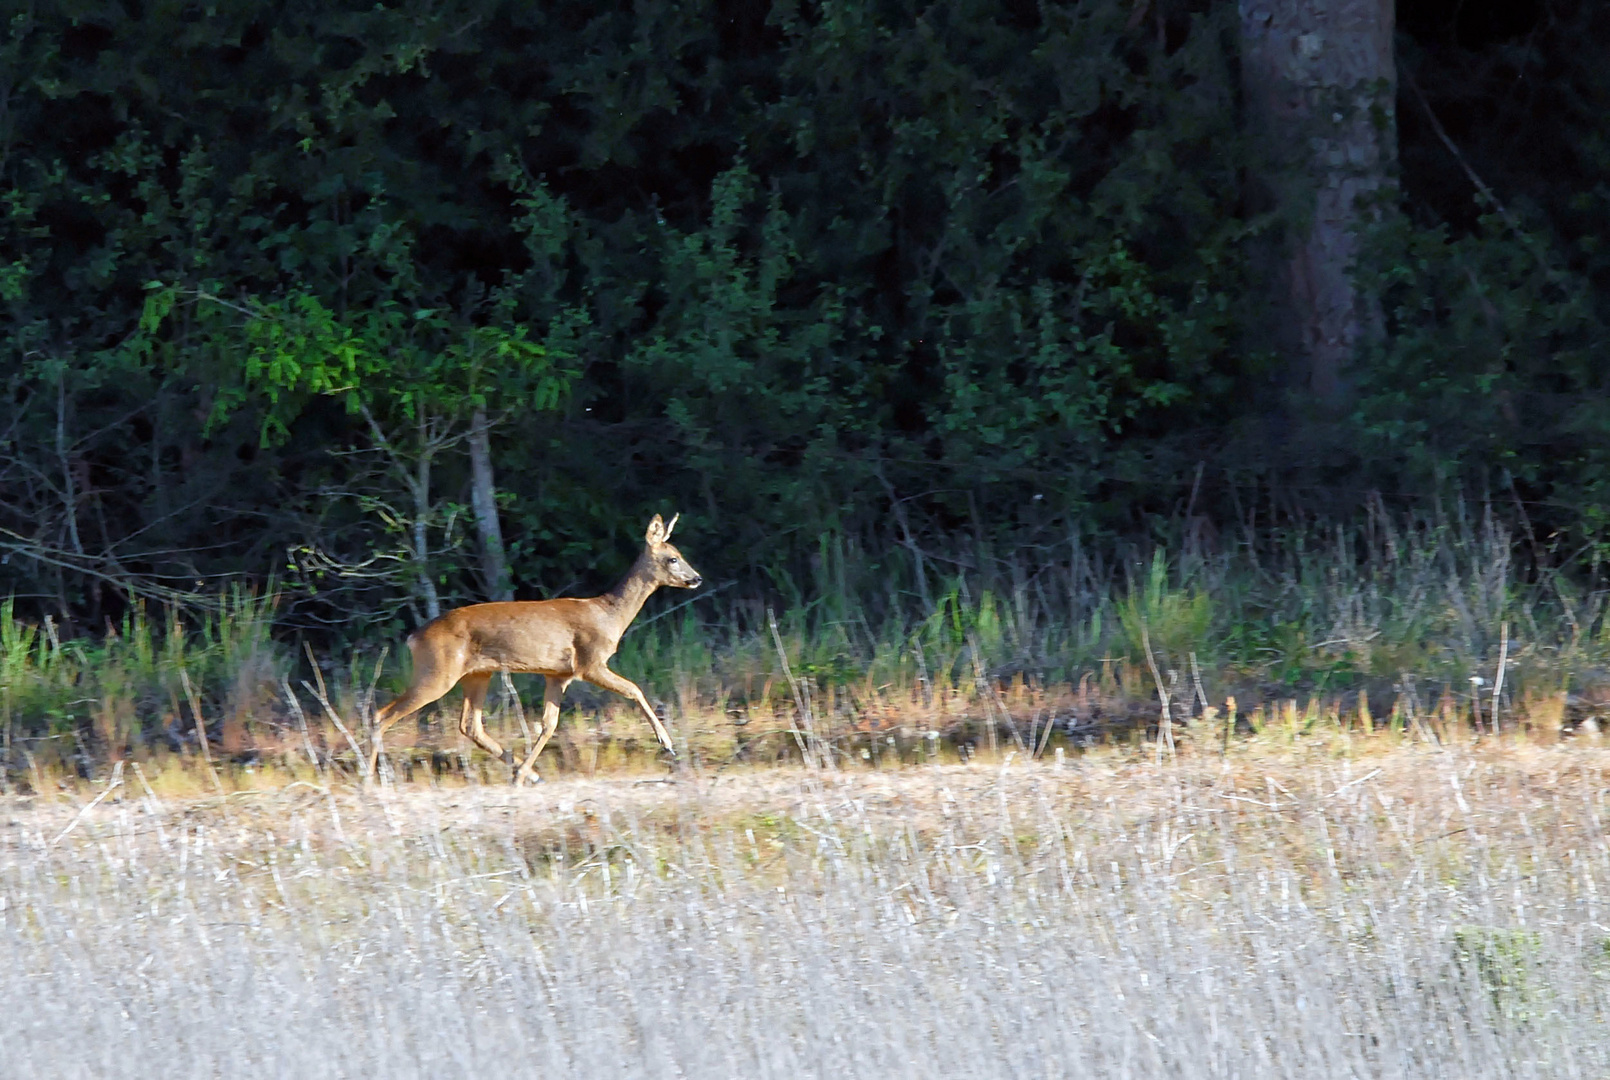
671	526
656	531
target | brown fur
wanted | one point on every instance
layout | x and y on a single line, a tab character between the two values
564	640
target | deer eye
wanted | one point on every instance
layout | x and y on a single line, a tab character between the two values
672	562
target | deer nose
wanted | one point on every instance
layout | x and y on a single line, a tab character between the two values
696	582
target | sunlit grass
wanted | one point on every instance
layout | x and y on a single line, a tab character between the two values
1379	906
1404	624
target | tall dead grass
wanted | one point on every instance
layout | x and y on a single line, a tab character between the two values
1380	907
1418	623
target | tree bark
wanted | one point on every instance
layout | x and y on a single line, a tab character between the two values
483	497
427	587
1320	85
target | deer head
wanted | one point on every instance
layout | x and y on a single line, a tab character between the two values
666	562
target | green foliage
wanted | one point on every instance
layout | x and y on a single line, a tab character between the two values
127	690
1380	610
1172	621
886	272
1493	274
1494	357
383	360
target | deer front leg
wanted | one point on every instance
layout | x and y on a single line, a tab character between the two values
551	697
469	721
626	687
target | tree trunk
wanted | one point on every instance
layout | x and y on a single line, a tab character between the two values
1320	86
483	497
427	587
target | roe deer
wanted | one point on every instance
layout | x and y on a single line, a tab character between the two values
564	639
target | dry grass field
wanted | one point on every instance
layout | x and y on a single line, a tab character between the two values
1373	906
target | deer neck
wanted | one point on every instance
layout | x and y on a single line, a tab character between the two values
628	598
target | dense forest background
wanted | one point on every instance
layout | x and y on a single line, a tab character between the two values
403	305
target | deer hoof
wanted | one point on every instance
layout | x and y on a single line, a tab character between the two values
508	758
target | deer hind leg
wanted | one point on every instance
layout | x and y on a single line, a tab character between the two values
469	721
551	697
425	689
621	685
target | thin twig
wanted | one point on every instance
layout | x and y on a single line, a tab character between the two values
363	761
112	785
1470	173
703	594
1498	679
901	519
301	722
793	686
1196	484
329	710
978	688
1045	736
51	556
1000	700
151	803
201	728
1166	732
366	712
519	708
1196	677
1367	776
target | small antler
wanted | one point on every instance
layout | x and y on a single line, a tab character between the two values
671	526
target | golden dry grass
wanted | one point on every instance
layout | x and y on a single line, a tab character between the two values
1308	905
